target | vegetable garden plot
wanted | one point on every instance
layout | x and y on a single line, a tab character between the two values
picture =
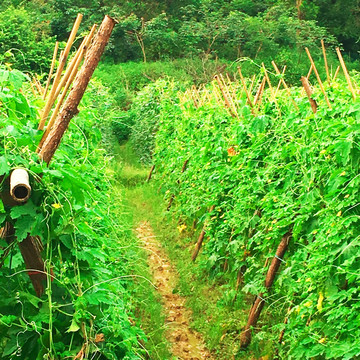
68	242
280	176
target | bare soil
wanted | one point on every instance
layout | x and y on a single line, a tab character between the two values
186	344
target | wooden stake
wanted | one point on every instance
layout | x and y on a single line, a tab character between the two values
269	280
80	52
216	94
336	73
269	83
233	92
150	173
244	86
33	89
201	237
306	86
227	102
63	59
347	76
38	86
318	77
325	60
70	108
186	162
51	68
260	90
252	83
284	84
309	72
281	78
194	97
75	67
233	107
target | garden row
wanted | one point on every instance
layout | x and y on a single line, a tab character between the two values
274	184
63	239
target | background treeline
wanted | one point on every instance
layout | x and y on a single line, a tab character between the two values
163	30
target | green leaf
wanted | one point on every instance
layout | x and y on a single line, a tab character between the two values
23	227
74	327
4	167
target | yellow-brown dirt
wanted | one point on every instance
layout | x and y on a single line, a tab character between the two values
186	344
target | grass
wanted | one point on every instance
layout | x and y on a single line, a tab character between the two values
147	302
215	313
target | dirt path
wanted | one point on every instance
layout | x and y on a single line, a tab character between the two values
186	343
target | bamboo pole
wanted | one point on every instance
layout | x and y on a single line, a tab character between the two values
309	72
63	58
260	90
194	96
233	92
261	94
36	86
70	108
32	89
280	81
318	77
51	68
336	73
269	83
227	102
20	189
308	77
216	94
70	68
245	88
233	107
347	76
284	84
252	84
75	67
325	60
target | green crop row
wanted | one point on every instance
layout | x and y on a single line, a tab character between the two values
279	170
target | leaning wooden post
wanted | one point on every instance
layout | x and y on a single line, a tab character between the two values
347	76
227	102
306	86
70	108
201	237
284	83
325	60
245	88
318	77
259	300
51	68
150	173
178	182
336	73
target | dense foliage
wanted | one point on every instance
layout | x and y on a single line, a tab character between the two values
87	303
280	170
149	30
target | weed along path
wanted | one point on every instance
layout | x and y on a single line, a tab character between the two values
186	344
